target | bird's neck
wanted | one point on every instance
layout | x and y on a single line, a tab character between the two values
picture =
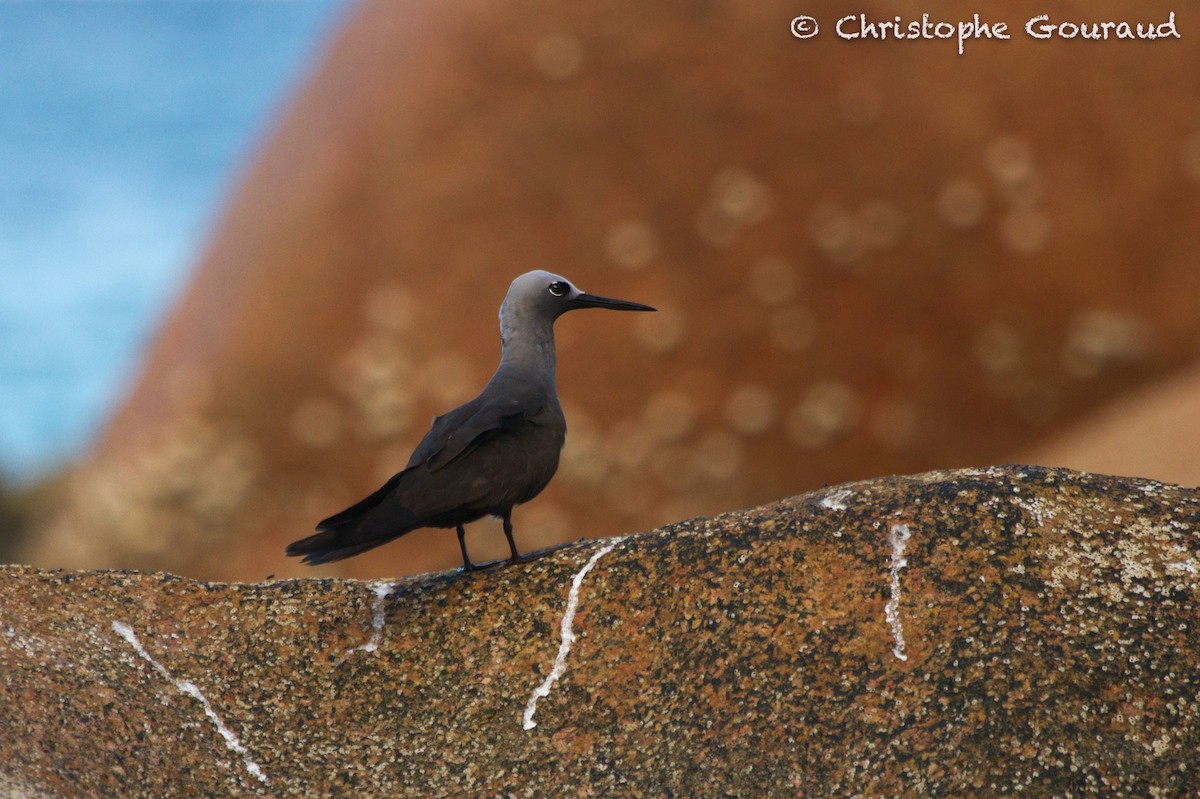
529	354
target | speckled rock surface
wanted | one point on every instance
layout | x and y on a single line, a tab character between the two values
967	633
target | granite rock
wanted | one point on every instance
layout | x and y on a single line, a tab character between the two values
975	632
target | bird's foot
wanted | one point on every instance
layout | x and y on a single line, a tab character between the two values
536	554
479	567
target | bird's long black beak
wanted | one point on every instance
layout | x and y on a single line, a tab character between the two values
592	301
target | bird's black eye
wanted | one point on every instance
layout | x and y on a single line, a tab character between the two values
559	288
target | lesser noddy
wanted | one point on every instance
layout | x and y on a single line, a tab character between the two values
486	456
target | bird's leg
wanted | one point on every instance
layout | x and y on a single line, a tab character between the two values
512	545
517	557
468	566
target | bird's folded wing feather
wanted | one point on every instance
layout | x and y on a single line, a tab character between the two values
462	430
452	436
360	507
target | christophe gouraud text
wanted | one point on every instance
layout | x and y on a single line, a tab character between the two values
854	27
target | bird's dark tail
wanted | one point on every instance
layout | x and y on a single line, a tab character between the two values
325	547
354	530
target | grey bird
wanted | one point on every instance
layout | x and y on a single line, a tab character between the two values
486	456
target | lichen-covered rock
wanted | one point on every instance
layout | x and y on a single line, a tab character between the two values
969	633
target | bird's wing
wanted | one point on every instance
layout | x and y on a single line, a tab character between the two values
453	435
360	507
452	438
441	430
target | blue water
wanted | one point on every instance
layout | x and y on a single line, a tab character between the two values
123	126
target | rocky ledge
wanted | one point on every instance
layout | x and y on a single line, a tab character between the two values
974	632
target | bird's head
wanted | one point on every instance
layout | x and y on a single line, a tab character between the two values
541	296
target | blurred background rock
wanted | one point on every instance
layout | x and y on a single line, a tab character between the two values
870	257
13	520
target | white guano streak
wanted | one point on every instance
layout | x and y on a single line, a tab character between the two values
567	637
899	534
836	500
378	617
188	687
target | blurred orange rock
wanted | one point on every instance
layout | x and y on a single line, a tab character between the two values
1151	433
871	257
